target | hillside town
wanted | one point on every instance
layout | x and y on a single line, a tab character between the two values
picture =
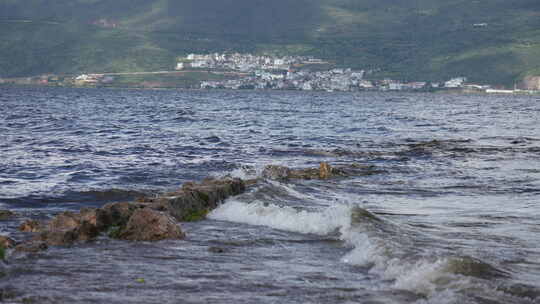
244	62
301	73
308	74
237	71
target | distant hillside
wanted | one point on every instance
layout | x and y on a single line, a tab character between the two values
494	41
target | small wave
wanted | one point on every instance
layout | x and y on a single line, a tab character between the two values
387	251
283	217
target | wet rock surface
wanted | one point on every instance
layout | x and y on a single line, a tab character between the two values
69	227
116	214
325	171
215	249
31	247
6	214
276	172
31	226
156	218
197	198
151	225
6	242
147	219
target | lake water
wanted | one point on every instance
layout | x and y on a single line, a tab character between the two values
456	207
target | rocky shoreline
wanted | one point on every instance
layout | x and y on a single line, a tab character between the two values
154	218
158	218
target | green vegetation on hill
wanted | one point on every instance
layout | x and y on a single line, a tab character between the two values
492	41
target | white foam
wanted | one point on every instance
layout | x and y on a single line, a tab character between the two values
283	217
240	173
386	259
421	275
365	251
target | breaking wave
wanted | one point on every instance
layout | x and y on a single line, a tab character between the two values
384	250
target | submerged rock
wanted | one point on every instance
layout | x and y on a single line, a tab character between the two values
6	242
214	249
31	226
429	148
58	237
469	266
7	294
31	247
150	225
360	215
6	214
325	171
143	220
276	172
64	221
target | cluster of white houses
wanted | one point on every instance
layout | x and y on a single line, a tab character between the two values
286	73
344	80
332	80
243	62
296	73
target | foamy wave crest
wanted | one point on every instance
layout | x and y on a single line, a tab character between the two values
283	217
389	252
396	260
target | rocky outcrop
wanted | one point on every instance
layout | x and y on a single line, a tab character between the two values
156	218
31	247
116	214
6	214
31	226
65	221
6	242
150	219
150	225
276	172
325	171
435	147
197	198
68	227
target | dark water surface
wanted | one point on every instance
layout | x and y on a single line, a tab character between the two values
457	220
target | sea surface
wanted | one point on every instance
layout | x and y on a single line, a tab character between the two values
452	217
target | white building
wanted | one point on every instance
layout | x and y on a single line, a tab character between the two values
307	86
279	61
366	84
455	82
358	75
198	57
395	86
199	64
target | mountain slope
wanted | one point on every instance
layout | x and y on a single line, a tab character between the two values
492	41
